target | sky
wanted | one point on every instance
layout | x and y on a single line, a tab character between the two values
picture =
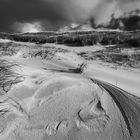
42	15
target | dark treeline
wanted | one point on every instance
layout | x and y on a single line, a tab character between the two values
78	38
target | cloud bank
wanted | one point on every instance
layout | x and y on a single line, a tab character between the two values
28	27
51	14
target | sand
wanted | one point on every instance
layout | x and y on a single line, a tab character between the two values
53	105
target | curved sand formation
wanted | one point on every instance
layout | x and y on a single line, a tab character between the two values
68	107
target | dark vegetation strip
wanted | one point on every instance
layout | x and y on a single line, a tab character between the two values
80	38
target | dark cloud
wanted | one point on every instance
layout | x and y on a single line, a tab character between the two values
53	13
30	11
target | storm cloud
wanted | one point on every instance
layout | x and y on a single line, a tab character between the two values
30	11
51	14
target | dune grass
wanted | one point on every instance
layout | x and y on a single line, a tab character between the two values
78	70
7	76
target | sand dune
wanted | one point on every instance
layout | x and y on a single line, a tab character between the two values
64	106
53	102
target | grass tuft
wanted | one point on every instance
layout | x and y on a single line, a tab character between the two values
7	76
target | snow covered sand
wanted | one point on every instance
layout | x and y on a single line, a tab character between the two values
67	107
125	79
53	105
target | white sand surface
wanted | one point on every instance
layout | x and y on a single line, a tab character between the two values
125	79
54	105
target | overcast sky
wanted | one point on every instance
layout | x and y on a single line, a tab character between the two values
41	15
